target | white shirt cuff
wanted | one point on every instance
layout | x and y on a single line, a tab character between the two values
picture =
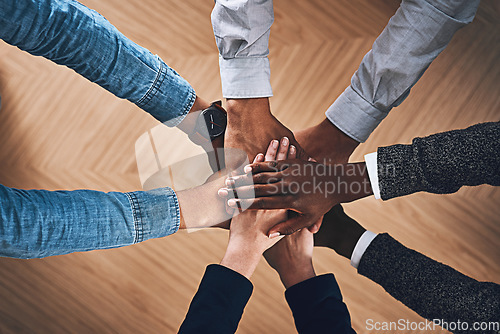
245	77
371	167
361	247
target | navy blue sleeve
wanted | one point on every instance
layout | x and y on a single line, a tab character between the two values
317	306
218	305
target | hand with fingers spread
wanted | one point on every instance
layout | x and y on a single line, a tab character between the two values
307	187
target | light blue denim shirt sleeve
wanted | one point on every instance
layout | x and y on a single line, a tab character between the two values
242	29
412	39
73	35
40	223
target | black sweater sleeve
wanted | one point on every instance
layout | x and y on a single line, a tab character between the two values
317	306
441	163
218	305
432	289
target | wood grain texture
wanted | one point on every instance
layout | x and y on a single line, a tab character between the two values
58	131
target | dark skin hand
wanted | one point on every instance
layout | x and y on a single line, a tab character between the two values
326	143
339	232
251	127
307	187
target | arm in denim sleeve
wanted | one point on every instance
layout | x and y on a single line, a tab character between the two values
242	29
73	35
40	223
412	39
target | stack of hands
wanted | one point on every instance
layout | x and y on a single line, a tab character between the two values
250	236
287	193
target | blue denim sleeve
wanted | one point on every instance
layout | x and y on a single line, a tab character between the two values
73	35
40	223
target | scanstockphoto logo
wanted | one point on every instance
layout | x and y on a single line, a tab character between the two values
436	325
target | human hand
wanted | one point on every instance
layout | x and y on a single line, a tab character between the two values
339	232
309	188
251	127
248	239
291	257
326	143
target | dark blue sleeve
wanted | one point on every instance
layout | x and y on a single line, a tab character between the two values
317	306
218	305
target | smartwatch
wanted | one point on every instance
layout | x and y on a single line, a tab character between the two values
210	124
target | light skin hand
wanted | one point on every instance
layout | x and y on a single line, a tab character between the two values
291	257
201	207
248	239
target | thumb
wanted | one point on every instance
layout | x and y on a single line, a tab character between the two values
289	227
314	228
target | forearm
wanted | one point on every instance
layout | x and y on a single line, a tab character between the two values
418	32
39	223
219	302
317	306
241	259
420	283
339	232
441	163
71	34
350	182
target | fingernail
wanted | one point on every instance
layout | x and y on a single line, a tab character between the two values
222	192
285	141
274	235
275	143
292	149
247	169
231	202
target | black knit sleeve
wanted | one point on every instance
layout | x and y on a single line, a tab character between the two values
441	163
430	288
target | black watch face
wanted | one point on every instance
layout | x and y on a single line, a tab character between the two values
216	122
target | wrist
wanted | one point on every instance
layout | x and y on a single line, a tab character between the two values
237	108
201	206
188	124
345	234
241	259
345	145
352	182
296	274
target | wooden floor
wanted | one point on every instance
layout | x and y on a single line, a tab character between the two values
58	131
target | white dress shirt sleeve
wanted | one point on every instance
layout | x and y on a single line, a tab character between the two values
242	29
413	38
371	167
361	247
